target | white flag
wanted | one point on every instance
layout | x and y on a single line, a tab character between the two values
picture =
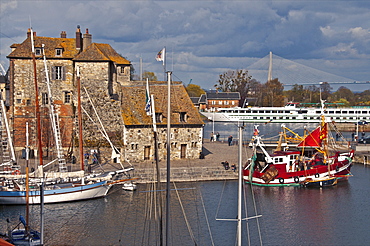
148	103
161	55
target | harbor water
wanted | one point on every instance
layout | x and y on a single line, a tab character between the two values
336	215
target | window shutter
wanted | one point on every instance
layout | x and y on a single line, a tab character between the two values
63	73
53	73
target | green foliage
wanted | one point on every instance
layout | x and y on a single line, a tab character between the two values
194	90
237	81
342	102
271	94
150	75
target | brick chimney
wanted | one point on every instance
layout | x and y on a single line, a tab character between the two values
63	34
87	39
78	38
29	33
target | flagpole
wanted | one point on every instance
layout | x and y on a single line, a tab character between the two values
164	63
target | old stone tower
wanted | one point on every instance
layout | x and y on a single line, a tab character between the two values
102	71
107	95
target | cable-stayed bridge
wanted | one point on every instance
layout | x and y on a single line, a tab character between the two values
290	73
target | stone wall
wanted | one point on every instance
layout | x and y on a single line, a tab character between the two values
95	81
139	143
22	107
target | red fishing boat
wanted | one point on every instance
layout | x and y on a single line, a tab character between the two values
312	161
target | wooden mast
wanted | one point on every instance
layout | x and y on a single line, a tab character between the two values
37	105
80	138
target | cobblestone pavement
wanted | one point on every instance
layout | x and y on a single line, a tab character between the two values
214	154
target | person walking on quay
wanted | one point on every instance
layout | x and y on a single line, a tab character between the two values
233	167
211	140
217	136
230	140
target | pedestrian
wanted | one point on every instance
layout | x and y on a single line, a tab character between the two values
226	165
353	136
217	136
86	155
230	140
211	137
233	167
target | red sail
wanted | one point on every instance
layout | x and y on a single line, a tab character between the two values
313	140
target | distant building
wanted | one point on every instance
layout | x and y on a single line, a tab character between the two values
222	99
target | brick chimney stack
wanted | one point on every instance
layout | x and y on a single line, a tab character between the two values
63	34
87	39
29	33
78	38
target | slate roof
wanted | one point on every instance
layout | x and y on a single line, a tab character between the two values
133	105
101	52
203	98
194	100
68	45
223	95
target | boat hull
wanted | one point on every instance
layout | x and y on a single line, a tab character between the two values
320	183
57	195
287	114
296	178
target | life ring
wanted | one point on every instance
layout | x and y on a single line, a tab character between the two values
317	175
281	180
16	172
296	179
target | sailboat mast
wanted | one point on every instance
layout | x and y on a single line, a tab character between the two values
80	140
156	157
168	157
38	117
240	185
27	183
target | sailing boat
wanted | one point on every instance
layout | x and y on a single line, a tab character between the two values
25	235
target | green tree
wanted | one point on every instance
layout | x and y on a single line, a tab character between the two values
236	81
325	90
194	90
296	94
343	93
149	75
272	93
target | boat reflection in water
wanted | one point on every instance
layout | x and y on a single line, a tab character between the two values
335	214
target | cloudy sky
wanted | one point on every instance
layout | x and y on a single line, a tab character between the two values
207	38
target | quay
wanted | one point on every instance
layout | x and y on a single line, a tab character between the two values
210	168
206	169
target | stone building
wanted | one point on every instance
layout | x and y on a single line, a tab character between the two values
186	124
106	98
102	71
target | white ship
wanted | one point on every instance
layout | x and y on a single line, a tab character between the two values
290	113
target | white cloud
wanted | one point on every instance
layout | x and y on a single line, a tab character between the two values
207	37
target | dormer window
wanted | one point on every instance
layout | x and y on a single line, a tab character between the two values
58	52
38	51
183	116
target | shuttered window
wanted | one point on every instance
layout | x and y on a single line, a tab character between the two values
58	73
